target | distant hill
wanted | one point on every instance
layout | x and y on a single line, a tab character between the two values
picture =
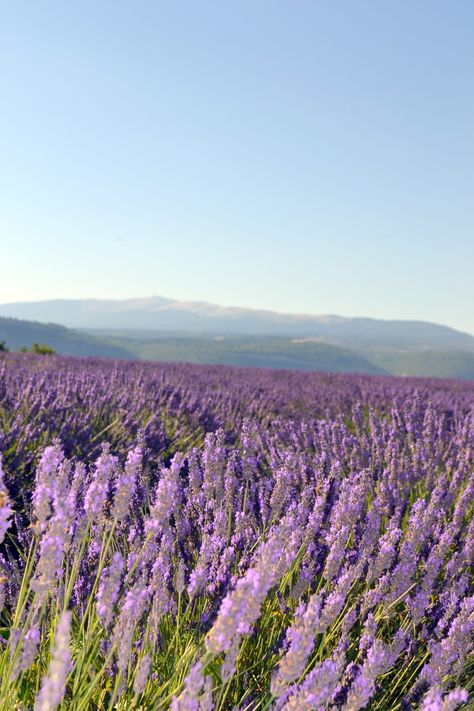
264	352
427	362
158	313
18	334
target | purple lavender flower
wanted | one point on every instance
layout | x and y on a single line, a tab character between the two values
5	508
345	515
130	613
300	638
159	588
447	656
206	702
241	607
142	674
380	657
49	565
108	592
126	484
188	700
98	491
317	688
3	581
54	684
29	651
386	553
369	633
434	700
45	484
166	496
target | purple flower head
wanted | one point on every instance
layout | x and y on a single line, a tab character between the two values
29	651
108	592
448	655
188	700
142	674
300	638
166	497
316	690
5	509
380	657
46	484
241	607
434	700
133	607
49	564
126	484
54	684
98	490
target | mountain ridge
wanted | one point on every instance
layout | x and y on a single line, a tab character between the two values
158	313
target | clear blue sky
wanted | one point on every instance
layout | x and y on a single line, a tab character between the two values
310	156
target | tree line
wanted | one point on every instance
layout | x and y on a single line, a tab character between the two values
37	348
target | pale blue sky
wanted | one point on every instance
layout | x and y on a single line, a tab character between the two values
302	156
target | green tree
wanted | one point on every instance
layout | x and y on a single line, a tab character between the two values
39	349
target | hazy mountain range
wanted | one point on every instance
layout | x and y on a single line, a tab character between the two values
159	313
157	328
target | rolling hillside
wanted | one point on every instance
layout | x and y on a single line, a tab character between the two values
18	334
158	314
265	352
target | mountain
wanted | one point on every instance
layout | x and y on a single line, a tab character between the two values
18	334
159	313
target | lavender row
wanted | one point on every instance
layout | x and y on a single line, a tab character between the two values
85	402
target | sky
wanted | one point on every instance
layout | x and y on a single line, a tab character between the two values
301	156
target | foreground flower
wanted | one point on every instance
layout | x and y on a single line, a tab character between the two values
434	700
109	588
5	508
54	684
126	484
241	608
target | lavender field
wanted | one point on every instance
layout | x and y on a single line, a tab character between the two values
201	538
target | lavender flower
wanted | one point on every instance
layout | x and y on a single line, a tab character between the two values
300	638
447	656
108	592
49	565
142	674
131	611
316	690
54	684
188	700
5	508
241	607
380	657
434	701
126	484
166	496
45	484
98	490
29	651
